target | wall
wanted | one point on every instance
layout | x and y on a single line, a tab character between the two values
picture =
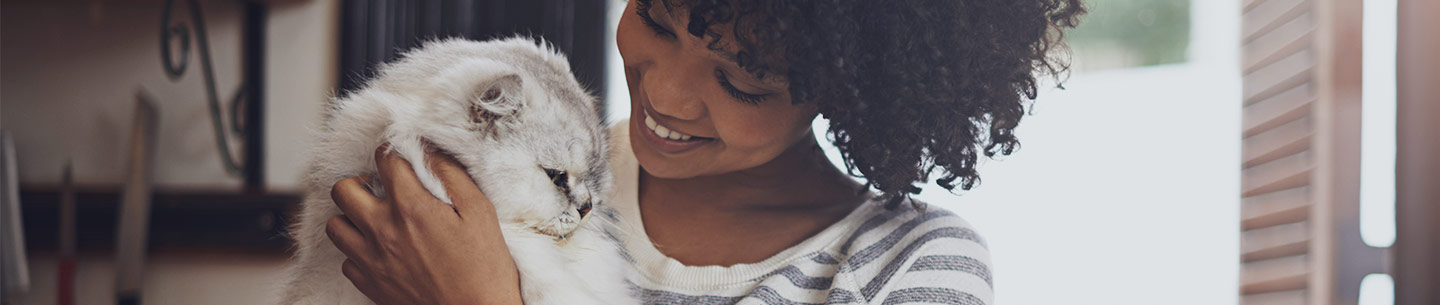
70	71
170	278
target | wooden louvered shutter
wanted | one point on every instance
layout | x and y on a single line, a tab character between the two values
1300	240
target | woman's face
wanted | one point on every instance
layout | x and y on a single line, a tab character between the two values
695	112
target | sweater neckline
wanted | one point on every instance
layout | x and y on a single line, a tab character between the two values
658	268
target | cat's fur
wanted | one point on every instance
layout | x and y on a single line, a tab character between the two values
511	112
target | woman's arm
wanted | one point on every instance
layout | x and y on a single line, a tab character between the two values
412	248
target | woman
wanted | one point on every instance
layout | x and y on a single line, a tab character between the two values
721	187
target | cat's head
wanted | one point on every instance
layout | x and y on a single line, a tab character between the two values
532	137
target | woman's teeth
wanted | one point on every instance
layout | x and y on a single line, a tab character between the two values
663	132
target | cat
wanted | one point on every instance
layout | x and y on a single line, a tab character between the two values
511	112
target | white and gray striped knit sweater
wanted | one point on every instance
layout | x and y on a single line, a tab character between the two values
872	256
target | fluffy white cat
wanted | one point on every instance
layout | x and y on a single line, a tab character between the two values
530	136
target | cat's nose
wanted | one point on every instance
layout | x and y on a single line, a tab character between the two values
584	209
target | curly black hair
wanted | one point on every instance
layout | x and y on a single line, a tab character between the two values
908	86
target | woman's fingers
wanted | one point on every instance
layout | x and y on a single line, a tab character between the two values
464	193
353	197
351	270
398	176
346	237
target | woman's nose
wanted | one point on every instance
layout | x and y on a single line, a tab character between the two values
672	90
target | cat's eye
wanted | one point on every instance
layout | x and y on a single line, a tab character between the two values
559	178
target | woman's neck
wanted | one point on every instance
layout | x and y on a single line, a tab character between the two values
750	215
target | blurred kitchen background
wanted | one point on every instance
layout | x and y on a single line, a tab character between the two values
1201	152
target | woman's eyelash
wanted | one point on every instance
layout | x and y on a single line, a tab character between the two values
748	98
643	10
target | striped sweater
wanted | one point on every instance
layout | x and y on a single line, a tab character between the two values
872	256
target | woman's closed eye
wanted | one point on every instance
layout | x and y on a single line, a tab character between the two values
746	97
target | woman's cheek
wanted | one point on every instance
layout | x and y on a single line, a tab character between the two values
763	128
761	139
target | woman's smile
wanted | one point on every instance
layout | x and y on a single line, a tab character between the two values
665	139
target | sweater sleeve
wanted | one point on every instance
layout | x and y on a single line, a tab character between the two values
941	272
939	260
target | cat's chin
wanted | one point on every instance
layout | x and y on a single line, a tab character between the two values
552	233
559	232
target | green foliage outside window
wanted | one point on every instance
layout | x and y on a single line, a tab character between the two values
1131	33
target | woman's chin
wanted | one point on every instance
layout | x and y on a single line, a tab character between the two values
660	167
664	169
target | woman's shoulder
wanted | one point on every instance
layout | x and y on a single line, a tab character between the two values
909	225
916	252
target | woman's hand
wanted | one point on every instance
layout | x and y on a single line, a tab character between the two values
412	248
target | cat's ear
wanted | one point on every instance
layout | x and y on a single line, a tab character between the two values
496	101
501	96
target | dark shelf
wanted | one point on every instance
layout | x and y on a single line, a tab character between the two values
179	220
